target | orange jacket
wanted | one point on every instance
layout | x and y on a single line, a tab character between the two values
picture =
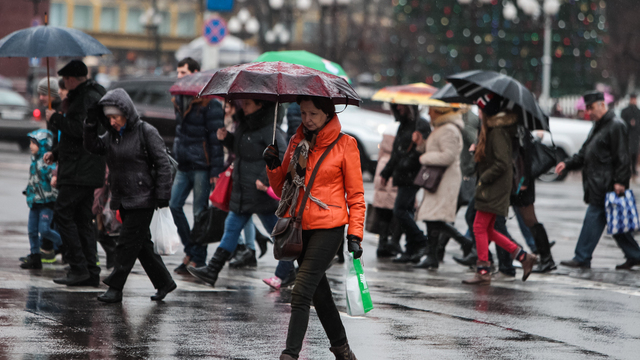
338	182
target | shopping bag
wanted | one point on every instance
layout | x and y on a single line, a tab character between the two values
209	226
221	194
622	214
357	291
164	233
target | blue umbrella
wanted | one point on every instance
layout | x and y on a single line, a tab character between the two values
50	41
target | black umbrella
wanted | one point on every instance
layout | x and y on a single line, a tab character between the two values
49	41
474	84
449	94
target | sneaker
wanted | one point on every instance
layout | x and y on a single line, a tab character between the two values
274	282
502	277
48	256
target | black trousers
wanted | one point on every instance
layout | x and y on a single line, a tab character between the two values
135	243
403	210
74	219
319	248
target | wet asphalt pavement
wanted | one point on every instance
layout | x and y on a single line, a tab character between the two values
566	314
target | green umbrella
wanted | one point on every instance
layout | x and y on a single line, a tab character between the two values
305	58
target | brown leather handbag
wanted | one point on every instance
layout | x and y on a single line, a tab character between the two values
429	177
287	233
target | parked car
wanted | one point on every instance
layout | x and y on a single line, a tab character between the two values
16	118
568	135
151	96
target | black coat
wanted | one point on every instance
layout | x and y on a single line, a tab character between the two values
404	163
76	165
604	159
253	135
196	145
632	114
130	156
294	119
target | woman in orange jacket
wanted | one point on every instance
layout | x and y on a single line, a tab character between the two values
336	199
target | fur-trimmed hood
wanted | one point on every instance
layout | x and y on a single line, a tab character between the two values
501	119
453	117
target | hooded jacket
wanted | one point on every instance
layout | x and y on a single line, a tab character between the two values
338	182
603	158
76	165
495	171
131	155
39	189
404	165
443	148
196	145
253	134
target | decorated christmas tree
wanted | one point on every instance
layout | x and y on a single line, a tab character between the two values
436	38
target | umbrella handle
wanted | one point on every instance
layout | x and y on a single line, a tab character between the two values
48	84
275	122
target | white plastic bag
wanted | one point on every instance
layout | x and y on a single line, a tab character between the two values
356	288
164	233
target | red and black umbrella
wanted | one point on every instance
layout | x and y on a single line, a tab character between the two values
191	85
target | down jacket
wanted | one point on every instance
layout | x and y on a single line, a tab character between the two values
130	156
495	171
76	166
338	182
196	145
253	134
604	159
443	148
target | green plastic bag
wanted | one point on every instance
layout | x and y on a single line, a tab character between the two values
356	288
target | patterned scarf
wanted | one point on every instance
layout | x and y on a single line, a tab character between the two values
295	178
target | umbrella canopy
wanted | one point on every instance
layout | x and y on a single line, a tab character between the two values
50	41
411	94
474	84
191	85
305	58
449	94
279	82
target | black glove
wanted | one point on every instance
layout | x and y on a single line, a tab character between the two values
94	113
271	156
353	245
162	203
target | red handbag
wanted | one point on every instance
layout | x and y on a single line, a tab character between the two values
221	194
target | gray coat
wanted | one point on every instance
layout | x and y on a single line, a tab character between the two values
131	155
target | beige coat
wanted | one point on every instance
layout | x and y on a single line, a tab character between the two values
384	196
443	148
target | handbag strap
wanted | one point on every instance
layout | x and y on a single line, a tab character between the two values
313	177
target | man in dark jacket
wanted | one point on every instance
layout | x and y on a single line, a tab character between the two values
631	116
403	166
200	159
604	160
79	174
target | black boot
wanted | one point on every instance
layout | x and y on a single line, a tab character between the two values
111	296
32	261
443	240
262	241
246	257
469	260
542	244
209	273
431	261
465	243
383	249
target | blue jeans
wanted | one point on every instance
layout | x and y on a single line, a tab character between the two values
595	220
249	239
39	227
526	233
198	180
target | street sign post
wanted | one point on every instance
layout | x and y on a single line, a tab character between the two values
214	31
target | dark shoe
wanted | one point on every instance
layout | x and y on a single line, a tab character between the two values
287	357
290	279
89	282
343	352
428	263
33	261
527	262
544	248
209	273
182	270
244	258
469	260
422	251
262	241
628	264
161	293
544	267
383	249
72	279
482	275
402	258
111	296
23	258
574	264
48	256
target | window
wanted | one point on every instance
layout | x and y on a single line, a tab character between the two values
58	15
186	25
164	28
109	19
133	21
83	17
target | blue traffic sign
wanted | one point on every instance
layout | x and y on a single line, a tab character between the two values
220	5
215	29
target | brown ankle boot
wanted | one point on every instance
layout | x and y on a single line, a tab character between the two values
527	260
482	276
286	357
343	352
